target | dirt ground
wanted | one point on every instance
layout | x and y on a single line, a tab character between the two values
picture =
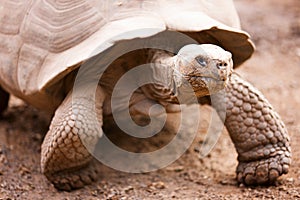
274	68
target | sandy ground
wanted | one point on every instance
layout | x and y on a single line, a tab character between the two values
274	69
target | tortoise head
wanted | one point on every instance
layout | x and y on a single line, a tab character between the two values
205	67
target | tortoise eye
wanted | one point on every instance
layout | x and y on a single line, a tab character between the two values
201	61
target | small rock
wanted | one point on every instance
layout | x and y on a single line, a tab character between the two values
129	188
24	170
291	180
37	137
175	168
173	195
241	185
282	188
224	182
159	185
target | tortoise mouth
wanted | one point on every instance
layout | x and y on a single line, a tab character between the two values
203	85
208	84
205	79
211	78
217	80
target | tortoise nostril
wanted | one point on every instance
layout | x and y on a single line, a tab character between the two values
222	65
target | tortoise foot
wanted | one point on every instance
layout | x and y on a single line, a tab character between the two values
263	171
258	133
76	178
74	131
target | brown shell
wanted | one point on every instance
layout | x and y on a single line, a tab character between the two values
41	41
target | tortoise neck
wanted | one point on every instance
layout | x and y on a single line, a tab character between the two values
165	80
169	85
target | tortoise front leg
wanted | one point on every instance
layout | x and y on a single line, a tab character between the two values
65	159
4	97
258	133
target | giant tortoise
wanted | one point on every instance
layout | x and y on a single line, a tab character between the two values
45	43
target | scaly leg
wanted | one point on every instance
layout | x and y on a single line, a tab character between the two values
65	159
4	97
258	133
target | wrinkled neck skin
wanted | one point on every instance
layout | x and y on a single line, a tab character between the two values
169	87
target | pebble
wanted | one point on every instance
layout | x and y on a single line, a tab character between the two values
129	188
176	168
3	158
224	182
24	170
291	180
159	185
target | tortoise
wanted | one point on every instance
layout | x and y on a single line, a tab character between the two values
44	43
